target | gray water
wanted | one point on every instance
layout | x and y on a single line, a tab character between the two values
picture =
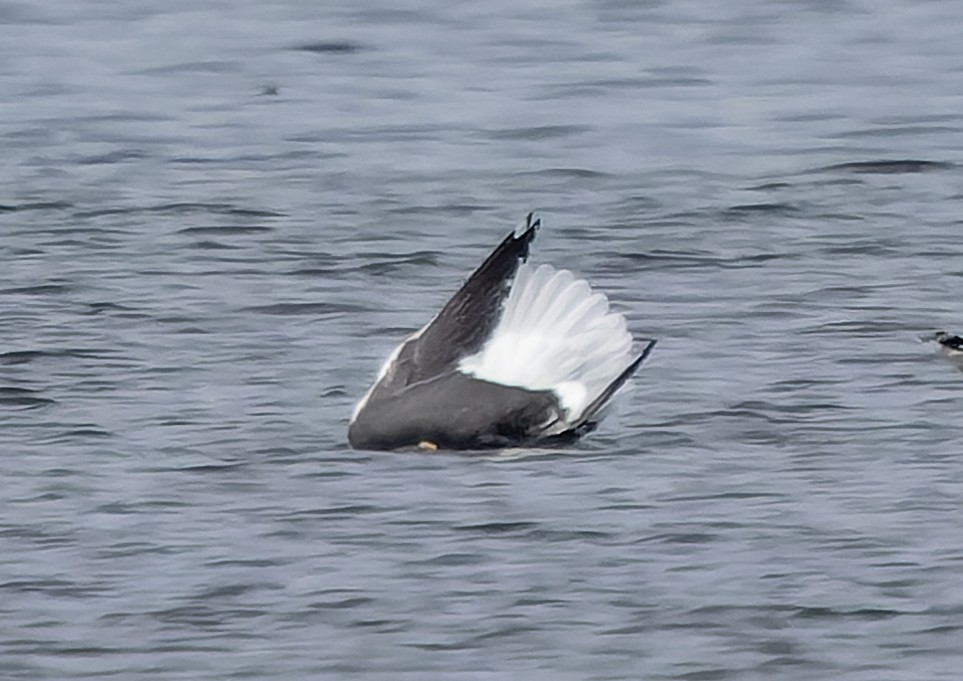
217	218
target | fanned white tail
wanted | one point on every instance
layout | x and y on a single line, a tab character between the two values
555	334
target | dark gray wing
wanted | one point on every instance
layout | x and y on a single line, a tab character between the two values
467	320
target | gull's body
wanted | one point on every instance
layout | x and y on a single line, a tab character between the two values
519	355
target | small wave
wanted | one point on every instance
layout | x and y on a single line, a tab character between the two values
226	230
535	133
329	47
37	290
34	205
888	167
183	208
293	309
23	397
763	208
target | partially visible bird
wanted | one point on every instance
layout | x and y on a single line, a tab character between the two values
949	344
520	355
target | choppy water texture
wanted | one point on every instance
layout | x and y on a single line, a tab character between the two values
217	218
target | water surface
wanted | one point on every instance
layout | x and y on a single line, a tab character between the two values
217	219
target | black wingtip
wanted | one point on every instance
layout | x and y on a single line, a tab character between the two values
631	369
619	381
532	221
468	318
645	352
522	237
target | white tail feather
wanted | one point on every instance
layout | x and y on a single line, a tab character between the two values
555	334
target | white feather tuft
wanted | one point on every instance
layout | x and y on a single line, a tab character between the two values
555	334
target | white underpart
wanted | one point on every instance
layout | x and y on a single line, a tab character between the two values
555	334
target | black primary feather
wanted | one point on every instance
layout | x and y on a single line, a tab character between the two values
468	318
